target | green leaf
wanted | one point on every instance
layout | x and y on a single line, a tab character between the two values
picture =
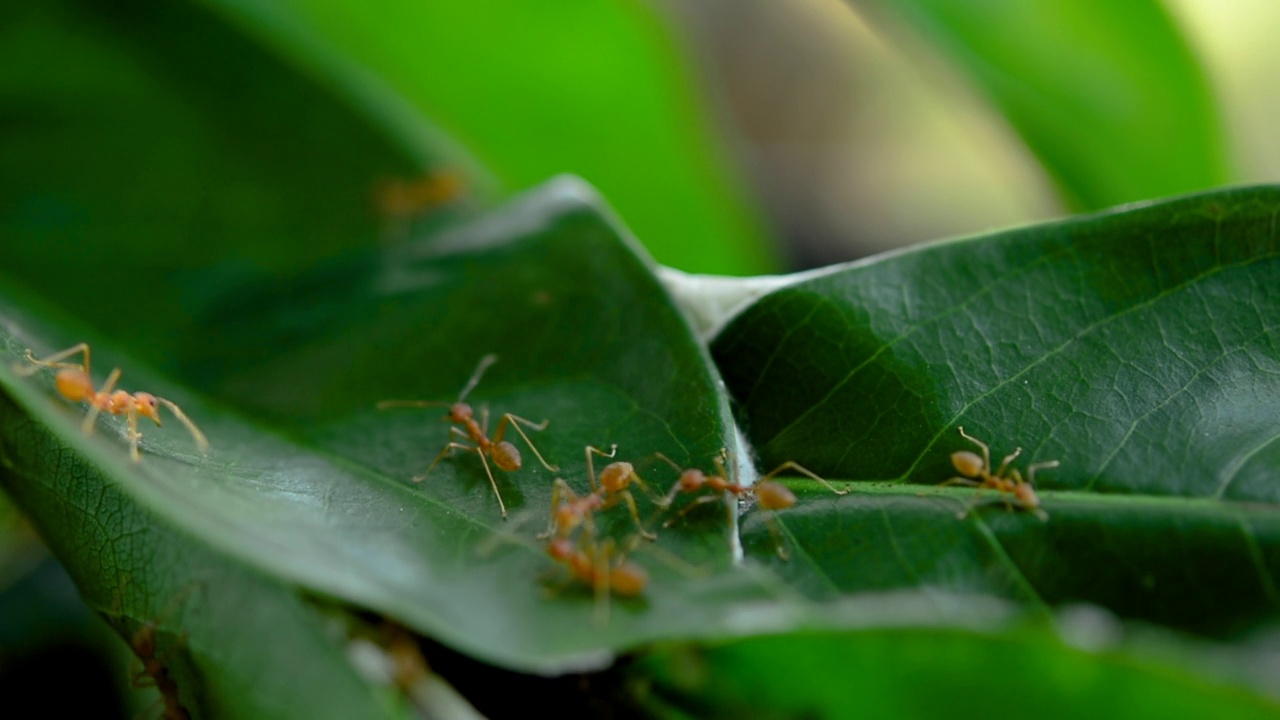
930	673
209	614
1108	95
1139	348
600	90
151	155
308	481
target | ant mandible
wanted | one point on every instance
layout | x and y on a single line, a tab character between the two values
771	494
570	510
976	472
74	383
504	454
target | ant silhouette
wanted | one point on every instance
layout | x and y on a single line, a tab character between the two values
602	567
770	494
504	454
569	510
74	383
976	473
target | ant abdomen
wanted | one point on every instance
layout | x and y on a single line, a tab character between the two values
74	385
506	456
774	495
628	580
967	463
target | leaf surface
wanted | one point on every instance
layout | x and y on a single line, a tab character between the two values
1140	348
1109	96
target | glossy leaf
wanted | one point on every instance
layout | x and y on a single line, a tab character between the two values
599	90
208	614
929	673
1138	347
151	154
1109	96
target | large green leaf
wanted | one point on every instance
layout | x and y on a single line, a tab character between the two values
1108	95
307	480
600	90
930	673
209	615
1139	347
144	143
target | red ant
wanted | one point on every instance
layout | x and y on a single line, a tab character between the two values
504	454
73	383
769	493
569	510
601	567
155	672
976	472
398	198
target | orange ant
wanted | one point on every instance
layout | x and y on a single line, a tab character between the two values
570	510
155	672
398	198
976	472
601	567
771	494
73	383
504	454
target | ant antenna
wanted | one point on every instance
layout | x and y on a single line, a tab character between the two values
485	362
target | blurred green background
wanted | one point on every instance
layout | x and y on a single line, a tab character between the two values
739	136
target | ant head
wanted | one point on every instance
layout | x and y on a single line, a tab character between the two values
460	412
147	406
74	385
967	463
615	477
774	495
692	479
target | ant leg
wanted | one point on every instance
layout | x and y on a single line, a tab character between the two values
600	582
52	361
986	451
790	465
92	416
516	421
961	481
484	419
700	501
1031	471
969	506
134	435
648	491
483	365
1004	464
559	489
387	404
492	483
635	515
772	522
591	466
201	441
667	460
447	450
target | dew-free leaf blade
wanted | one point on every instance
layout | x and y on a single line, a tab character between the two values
932	672
600	90
151	154
1138	347
1109	96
